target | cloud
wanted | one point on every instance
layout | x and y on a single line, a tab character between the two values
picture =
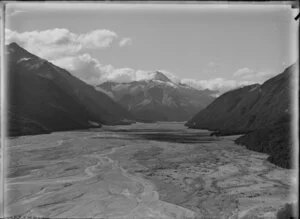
242	72
60	42
97	38
125	42
245	76
84	67
217	84
68	50
256	76
93	72
121	75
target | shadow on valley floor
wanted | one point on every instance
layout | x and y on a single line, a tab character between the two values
142	130
178	137
164	135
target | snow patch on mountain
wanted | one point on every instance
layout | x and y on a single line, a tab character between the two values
120	87
110	94
23	59
168	83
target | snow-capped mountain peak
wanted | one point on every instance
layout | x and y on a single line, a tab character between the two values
157	75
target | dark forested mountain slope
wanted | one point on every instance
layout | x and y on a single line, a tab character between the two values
275	140
158	98
248	108
43	98
263	112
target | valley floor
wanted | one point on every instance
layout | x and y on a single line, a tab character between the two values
160	170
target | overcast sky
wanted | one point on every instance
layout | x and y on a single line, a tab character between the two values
207	46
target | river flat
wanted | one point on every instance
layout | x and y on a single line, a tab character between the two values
157	170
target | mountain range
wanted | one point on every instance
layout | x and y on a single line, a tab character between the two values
158	98
43	98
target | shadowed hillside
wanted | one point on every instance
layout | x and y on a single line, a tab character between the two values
43	98
263	112
248	108
275	141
